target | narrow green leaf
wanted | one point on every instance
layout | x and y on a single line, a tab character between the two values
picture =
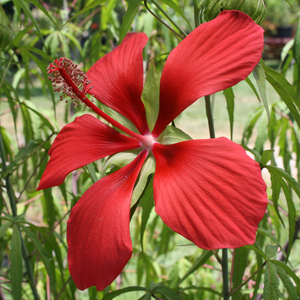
120	160
271	290
177	9
86	8
229	96
47	260
150	95
276	188
167	292
172	135
201	260
132	10
202	288
250	125
44	10
3	228
147	203
114	294
266	156
252	87
239	266
147	296
291	209
16	41
267	234
260	77
271	250
147	169
16	264
285	91
255	248
296	51
291	181
287	283
290	272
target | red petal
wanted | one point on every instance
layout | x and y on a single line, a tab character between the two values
79	143
99	244
215	56
209	191
117	80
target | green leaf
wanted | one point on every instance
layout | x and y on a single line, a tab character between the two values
239	266
22	155
250	125
260	77
271	282
172	135
202	288
3	228
114	294
29	14
255	248
47	260
16	41
296	50
266	156
147	203
171	295
290	272
287	283
150	95
147	169
132	10
86	8
285	91
276	188
201	260
267	234
252	87
16	264
271	250
120	160
229	96
290	203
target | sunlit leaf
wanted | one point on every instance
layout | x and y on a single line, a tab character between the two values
260	77
229	96
150	95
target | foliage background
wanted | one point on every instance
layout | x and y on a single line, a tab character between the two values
262	113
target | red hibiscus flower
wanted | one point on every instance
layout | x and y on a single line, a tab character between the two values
209	191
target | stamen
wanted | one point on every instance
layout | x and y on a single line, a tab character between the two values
65	75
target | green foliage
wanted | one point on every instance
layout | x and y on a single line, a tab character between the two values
33	248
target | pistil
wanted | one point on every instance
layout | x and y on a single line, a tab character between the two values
72	82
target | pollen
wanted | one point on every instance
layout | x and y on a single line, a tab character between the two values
69	80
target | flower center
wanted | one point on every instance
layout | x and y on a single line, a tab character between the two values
148	141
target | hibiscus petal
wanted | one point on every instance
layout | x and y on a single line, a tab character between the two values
215	56
209	191
117	80
99	244
79	143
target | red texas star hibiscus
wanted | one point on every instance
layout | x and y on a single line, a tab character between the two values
209	191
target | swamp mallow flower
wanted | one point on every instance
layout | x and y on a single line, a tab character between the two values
209	191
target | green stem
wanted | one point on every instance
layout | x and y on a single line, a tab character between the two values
13	206
196	14
210	117
225	274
